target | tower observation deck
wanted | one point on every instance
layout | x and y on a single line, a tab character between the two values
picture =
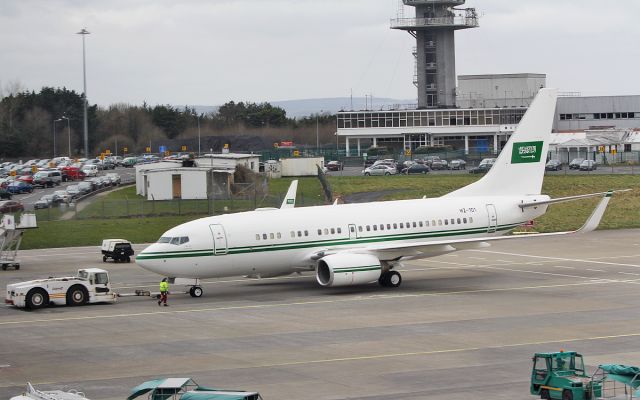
434	27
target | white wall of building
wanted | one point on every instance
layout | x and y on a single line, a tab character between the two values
140	168
229	161
498	90
194	184
301	166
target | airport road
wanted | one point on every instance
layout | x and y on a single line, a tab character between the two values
461	326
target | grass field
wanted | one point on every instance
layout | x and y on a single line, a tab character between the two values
623	211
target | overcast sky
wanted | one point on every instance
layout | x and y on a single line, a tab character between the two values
207	52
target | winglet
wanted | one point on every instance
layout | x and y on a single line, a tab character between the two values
290	199
594	220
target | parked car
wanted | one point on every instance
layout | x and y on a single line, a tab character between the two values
46	201
484	166
114	177
20	187
10	206
74	173
4	194
416	169
86	187
575	163
129	162
73	191
47	178
458	164
380	169
553	165
90	170
334	166
26	178
588	165
63	195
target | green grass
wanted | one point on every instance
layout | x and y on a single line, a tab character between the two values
623	211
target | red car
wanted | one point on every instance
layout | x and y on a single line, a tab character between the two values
74	173
26	179
10	206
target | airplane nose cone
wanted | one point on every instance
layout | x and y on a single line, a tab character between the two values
146	260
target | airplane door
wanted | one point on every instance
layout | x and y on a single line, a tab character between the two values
219	239
493	218
352	231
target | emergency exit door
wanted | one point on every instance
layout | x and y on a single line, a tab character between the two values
219	239
493	218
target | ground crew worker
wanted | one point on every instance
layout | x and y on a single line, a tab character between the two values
164	291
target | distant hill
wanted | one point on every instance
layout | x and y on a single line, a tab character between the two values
305	107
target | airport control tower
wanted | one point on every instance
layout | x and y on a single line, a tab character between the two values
433	27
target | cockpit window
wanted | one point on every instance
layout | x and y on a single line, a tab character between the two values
164	240
184	239
175	240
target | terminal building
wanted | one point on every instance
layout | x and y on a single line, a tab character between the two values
479	113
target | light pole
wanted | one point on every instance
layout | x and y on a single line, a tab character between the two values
317	132
69	130
54	135
198	135
85	32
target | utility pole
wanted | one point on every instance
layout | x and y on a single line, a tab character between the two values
84	32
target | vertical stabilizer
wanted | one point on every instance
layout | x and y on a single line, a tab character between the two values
290	199
519	169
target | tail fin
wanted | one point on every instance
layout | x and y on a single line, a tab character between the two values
519	169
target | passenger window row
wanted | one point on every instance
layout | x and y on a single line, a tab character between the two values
414	224
369	228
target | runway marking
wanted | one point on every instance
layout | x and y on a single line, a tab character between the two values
595	270
559	258
561	266
629	273
312	302
448	351
499	267
477	258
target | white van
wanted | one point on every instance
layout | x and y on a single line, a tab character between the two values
90	170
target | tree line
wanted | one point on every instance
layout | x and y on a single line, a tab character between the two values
31	122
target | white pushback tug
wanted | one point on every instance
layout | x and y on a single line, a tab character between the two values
90	285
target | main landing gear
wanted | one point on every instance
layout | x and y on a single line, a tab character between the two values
195	291
390	279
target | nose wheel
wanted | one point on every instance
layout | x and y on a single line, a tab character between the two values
195	291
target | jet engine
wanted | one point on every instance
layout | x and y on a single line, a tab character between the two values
348	269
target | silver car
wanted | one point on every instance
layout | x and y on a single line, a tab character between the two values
380	169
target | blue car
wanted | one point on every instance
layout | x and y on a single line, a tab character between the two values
18	187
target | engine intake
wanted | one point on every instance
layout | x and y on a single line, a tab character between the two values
348	269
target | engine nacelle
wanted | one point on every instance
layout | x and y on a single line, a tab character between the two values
348	269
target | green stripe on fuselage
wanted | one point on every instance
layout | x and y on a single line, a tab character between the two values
316	243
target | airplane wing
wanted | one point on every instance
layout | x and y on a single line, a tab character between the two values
422	249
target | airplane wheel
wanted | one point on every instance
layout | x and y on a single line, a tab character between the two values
394	279
195	291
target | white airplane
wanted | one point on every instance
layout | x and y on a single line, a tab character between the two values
351	244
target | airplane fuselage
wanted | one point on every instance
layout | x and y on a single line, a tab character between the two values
280	241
